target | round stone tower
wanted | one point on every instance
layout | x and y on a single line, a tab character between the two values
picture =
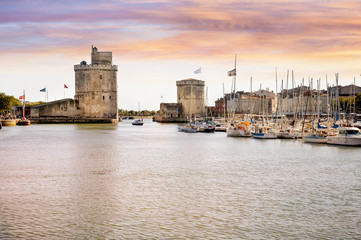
96	86
190	93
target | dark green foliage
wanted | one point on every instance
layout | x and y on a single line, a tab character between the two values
127	113
7	101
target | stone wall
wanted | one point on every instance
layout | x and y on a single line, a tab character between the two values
190	94
61	108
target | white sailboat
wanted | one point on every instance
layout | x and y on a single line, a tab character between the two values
138	122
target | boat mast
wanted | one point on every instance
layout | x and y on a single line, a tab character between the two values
24	103
224	104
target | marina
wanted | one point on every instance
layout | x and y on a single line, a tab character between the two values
80	181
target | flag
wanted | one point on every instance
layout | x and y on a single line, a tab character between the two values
43	90
232	72
199	70
21	97
65	86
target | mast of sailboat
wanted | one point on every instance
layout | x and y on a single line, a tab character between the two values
224	103
275	121
328	104
24	103
354	96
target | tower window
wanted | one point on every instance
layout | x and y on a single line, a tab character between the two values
110	97
101	77
103	97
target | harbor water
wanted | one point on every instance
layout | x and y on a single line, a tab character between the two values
152	182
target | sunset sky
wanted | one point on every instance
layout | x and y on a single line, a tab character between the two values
156	43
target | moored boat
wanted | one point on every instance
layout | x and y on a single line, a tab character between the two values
138	122
315	138
264	133
206	128
188	128
347	136
239	130
23	122
8	122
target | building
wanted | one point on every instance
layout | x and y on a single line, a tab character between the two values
190	102
96	86
190	93
96	94
259	103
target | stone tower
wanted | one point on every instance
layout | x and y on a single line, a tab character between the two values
190	93
96	86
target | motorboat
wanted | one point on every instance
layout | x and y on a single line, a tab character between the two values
206	127
241	129
347	136
138	122
315	138
220	127
285	134
188	128
23	122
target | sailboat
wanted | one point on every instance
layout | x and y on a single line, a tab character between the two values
138	122
23	121
236	129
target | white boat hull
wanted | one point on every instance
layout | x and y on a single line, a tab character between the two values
314	139
345	140
237	133
264	135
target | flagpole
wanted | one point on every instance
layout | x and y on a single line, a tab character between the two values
64	90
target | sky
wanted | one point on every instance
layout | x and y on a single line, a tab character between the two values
156	43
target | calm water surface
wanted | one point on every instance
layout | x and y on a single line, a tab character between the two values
153	182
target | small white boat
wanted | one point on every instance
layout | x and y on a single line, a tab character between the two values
262	132
220	127
241	129
347	136
315	138
188	128
266	135
137	122
206	128
285	134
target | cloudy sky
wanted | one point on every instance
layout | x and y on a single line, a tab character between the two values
156	43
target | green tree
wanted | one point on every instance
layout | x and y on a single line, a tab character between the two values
7	101
358	103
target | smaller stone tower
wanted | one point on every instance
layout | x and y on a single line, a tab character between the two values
190	93
96	86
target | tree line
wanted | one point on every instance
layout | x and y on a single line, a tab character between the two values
128	113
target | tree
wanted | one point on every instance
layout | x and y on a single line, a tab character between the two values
7	101
358	103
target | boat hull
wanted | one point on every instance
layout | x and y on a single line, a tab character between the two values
314	139
345	140
237	133
8	122
264	135
23	122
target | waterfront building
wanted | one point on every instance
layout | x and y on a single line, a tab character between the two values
96	94
259	103
190	93
190	102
